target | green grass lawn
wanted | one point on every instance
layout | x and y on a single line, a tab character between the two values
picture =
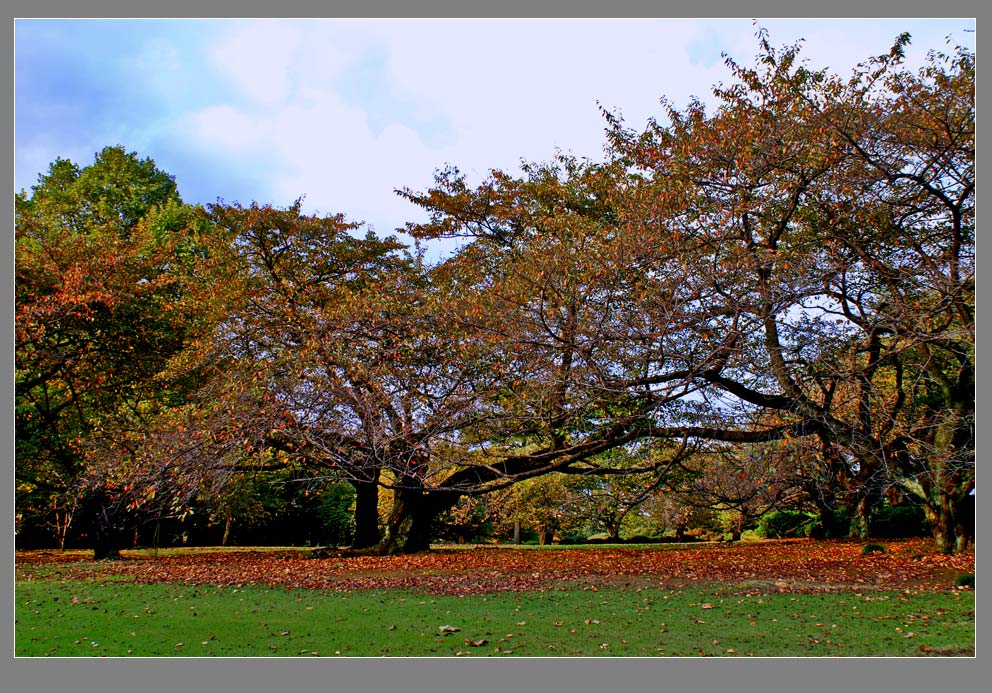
67	618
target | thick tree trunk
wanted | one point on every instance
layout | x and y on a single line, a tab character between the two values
738	529
951	515
411	520
830	527
947	502
956	436
860	520
367	532
941	527
950	529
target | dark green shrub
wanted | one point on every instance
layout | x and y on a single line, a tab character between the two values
967	580
873	548
898	522
830	525
528	535
641	539
781	524
335	512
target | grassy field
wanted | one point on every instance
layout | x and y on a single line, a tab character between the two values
115	619
165	606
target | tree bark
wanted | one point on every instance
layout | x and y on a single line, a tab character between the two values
860	518
367	532
951	524
227	531
411	520
941	526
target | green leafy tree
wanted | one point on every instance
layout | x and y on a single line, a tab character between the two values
546	504
113	278
471	518
247	499
337	514
607	500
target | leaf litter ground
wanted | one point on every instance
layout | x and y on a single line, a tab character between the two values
794	566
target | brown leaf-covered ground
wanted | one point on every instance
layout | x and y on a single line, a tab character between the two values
788	566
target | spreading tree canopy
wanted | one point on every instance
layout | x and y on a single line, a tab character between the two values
791	270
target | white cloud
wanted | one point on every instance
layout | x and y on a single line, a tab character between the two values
226	130
506	90
256	58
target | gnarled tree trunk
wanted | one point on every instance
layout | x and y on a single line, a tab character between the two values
411	520
952	521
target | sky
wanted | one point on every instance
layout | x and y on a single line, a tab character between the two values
344	112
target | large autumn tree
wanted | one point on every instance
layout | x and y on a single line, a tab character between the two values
333	335
329	360
911	289
832	223
112	275
347	354
593	344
